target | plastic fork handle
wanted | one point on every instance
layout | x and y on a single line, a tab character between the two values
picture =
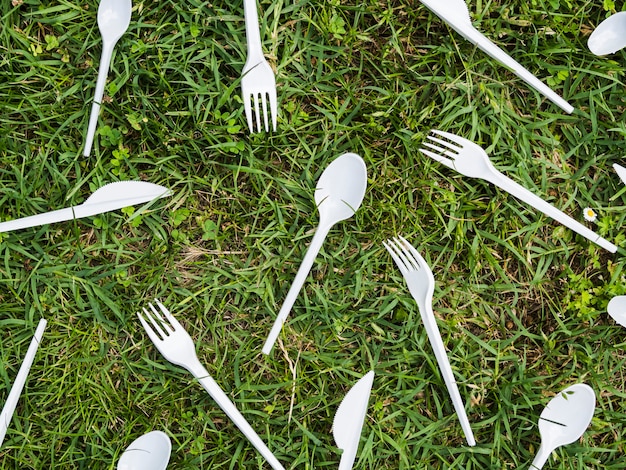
296	286
253	35
103	71
213	389
434	336
476	37
20	380
523	194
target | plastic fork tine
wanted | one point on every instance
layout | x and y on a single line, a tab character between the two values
419	260
392	251
435	156
273	107
155	336
407	258
247	106
448	147
441	151
171	318
453	137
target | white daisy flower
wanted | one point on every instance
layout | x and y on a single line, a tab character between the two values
589	214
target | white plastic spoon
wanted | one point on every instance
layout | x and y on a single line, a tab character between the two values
617	309
339	193
564	419
113	21
610	35
349	419
20	380
148	452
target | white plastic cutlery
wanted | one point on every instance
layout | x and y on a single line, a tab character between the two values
258	83
20	380
349	419
456	14
564	420
175	344
421	283
109	197
339	193
471	160
620	170
113	21
148	452
610	35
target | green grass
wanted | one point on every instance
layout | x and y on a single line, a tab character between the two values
521	300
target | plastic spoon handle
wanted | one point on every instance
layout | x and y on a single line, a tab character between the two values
542	457
105	62
523	194
476	37
296	286
20	380
214	390
434	336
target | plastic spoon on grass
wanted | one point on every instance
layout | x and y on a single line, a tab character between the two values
610	35
113	21
148	452
564	419
339	193
617	309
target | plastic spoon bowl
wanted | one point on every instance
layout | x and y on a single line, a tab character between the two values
339	193
113	21
148	452
564	420
610	35
617	309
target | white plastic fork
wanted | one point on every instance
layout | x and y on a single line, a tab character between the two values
471	160
175	344
258	83
421	283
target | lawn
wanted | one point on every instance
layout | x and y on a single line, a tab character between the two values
520	299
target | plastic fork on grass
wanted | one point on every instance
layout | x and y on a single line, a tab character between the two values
471	160
258	83
175	344
421	283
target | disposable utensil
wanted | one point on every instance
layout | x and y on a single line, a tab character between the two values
471	160
421	283
610	35
564	420
148	452
339	193
175	344
113	21
258	83
620	170
349	419
20	380
107	198
456	14
617	309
